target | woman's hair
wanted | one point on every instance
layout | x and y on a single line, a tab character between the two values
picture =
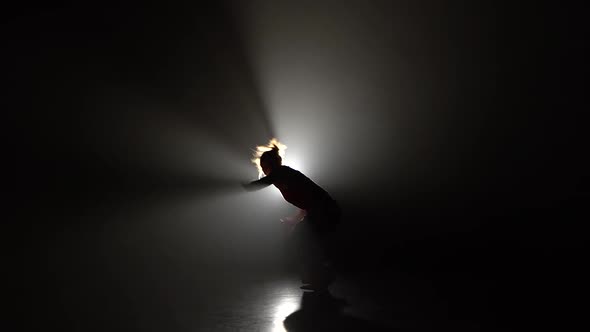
271	156
273	153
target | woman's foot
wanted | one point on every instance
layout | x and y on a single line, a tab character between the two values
318	281
315	287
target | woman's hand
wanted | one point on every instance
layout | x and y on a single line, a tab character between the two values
291	221
294	220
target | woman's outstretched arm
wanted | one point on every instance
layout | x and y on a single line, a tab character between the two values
258	184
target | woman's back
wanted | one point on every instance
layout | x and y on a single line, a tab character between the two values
300	190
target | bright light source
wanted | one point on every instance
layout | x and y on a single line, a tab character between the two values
294	162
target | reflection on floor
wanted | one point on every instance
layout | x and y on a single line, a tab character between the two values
247	301
276	303
152	275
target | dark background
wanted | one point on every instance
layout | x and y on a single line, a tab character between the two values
450	133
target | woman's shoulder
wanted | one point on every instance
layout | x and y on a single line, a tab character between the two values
286	170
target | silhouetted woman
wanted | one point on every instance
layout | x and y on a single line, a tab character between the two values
317	218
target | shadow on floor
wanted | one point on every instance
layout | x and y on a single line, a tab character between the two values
323	312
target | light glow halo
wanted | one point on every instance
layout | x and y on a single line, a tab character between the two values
257	153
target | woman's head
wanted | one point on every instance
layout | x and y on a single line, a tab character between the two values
270	160
268	157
